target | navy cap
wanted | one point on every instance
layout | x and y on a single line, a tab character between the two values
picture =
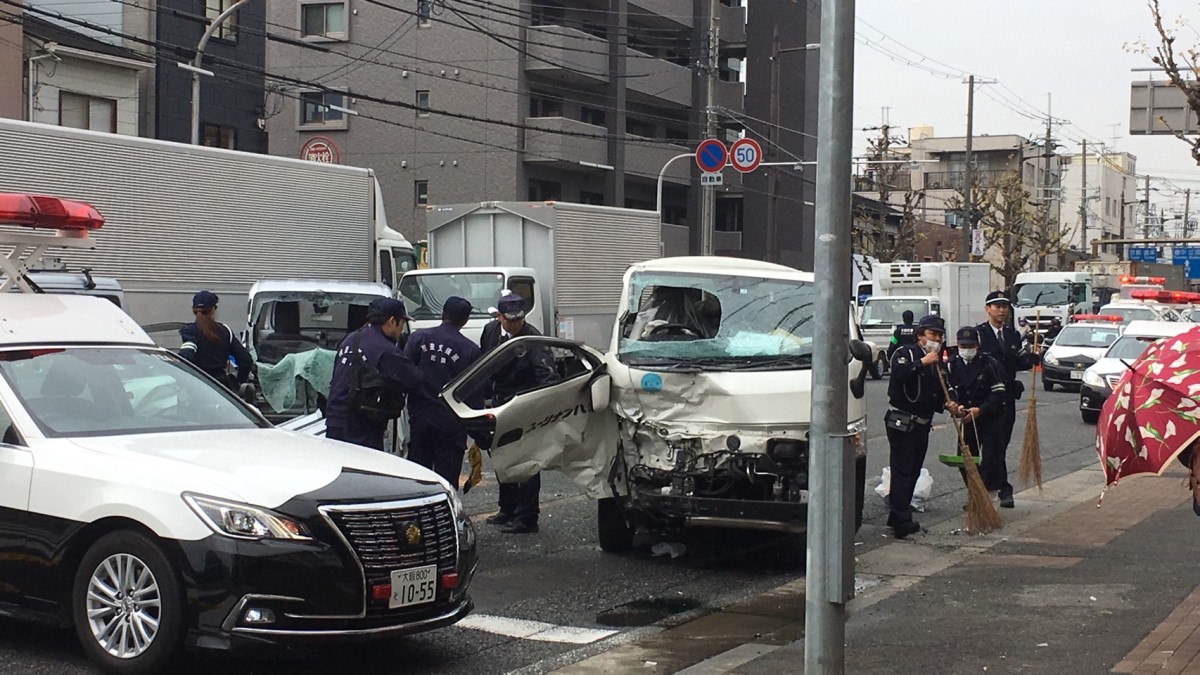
932	321
512	306
204	300
997	298
457	309
968	335
389	307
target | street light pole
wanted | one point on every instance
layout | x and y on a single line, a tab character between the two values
830	571
196	67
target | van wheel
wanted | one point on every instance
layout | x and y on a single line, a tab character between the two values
877	367
127	605
616	534
1089	416
860	488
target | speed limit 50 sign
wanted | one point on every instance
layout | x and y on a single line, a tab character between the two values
745	155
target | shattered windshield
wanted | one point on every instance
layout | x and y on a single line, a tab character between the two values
424	294
717	321
890	311
1043	294
297	322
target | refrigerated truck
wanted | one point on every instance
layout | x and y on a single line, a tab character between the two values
186	217
952	290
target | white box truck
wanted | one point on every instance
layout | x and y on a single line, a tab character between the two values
184	217
567	260
954	291
1040	297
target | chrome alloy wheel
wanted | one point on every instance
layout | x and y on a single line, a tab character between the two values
124	606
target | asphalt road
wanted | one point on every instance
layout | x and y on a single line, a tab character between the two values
561	578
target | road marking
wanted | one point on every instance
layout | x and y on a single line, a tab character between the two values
534	630
726	661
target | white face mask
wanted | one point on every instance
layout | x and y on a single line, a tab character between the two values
932	346
968	354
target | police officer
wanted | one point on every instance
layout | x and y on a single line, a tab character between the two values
375	343
438	440
1002	342
518	501
977	388
915	395
209	343
904	334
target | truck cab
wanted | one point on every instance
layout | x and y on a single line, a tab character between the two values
696	416
425	291
1040	297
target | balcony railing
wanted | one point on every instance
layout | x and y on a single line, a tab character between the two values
956	180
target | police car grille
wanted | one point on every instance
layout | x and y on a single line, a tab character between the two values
379	538
1112	380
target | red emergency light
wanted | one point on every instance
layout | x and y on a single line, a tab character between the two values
1172	297
1096	317
1126	279
48	212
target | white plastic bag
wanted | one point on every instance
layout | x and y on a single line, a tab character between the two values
921	494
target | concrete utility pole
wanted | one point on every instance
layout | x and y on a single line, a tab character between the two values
964	255
197	64
1146	211
1048	156
830	574
708	213
1083	198
772	151
1123	205
1187	205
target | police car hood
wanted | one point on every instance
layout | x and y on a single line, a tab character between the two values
265	467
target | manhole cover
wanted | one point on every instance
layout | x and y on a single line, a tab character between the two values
645	612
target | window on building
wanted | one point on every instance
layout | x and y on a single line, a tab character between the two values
592	115
421	192
547	13
228	28
323	20
215	136
644	205
678	134
594	198
636	127
544	191
423	102
544	105
424	12
80	111
316	110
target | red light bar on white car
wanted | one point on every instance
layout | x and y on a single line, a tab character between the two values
1126	279
47	212
1171	297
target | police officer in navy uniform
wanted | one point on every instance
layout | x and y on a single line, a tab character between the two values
904	334
915	395
519	507
977	386
209	343
1002	342
438	439
386	322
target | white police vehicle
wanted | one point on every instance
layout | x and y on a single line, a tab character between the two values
147	506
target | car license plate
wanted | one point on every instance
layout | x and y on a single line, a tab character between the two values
414	586
1076	374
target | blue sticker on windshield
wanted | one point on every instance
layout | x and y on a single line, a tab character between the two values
651	382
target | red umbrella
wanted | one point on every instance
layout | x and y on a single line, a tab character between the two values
1154	411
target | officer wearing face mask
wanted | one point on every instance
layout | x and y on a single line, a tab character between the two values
915	395
977	388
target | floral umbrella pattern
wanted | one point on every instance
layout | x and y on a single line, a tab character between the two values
1154	412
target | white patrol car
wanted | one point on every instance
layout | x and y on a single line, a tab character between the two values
146	505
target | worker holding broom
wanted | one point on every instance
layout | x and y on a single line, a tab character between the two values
1003	343
977	385
915	395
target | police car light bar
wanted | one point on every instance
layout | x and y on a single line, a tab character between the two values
51	213
1171	297
1127	279
1096	317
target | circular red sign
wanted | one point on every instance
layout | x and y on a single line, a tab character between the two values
320	149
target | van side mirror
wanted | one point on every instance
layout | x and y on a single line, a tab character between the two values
861	351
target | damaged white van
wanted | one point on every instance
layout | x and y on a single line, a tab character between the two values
698	414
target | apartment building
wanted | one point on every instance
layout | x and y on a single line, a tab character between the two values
585	101
1111	195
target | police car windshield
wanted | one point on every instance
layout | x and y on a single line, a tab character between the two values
1086	336
424	294
717	321
1129	348
890	311
104	391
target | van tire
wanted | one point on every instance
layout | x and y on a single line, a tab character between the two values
616	533
878	366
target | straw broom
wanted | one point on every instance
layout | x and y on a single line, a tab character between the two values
1030	468
982	516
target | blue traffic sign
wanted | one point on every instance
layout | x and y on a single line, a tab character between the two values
1143	253
711	155
1186	253
1192	269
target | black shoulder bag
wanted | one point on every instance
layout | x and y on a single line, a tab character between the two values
373	397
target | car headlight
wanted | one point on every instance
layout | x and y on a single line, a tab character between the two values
243	521
1050	359
1093	379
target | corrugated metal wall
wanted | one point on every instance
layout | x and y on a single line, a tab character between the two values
178	215
594	247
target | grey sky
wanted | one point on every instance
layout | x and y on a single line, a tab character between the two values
1070	48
